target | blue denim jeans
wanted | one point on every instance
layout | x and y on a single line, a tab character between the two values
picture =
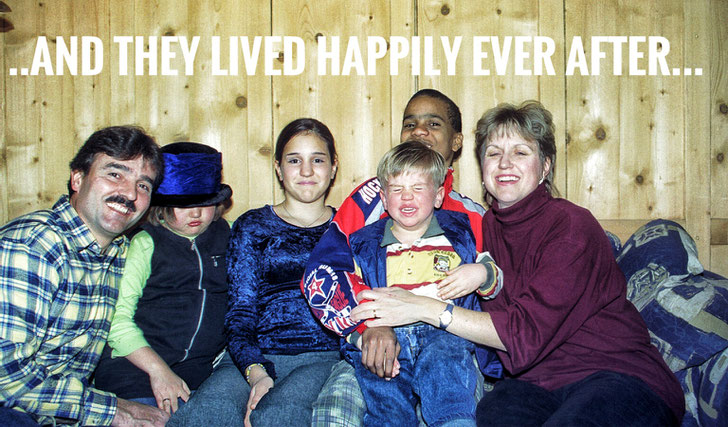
221	400
153	402
436	368
604	398
11	417
300	378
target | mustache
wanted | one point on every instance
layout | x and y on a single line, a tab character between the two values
123	201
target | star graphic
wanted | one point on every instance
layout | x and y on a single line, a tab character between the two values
315	288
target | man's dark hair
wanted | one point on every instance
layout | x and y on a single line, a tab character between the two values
453	111
122	143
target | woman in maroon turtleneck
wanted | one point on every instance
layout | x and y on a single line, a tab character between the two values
575	351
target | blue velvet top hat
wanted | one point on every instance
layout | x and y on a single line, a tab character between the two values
192	177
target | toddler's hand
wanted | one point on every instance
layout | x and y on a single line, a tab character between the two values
462	280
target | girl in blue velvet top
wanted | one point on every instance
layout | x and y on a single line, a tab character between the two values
272	336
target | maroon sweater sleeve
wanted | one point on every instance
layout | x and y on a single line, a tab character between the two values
556	293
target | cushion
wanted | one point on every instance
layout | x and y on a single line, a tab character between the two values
706	392
686	312
661	242
687	318
615	242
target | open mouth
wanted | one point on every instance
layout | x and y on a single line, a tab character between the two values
507	178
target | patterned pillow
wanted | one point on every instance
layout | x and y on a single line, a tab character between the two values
706	392
615	242
664	243
687	318
686	314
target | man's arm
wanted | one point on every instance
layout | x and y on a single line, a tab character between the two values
138	415
39	372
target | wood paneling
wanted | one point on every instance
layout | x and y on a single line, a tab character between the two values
630	148
719	135
719	108
697	150
3	146
625	152
233	113
24	170
355	108
476	94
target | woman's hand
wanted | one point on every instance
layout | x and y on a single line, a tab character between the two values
167	388
394	306
462	280
260	382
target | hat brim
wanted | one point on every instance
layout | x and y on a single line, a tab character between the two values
193	200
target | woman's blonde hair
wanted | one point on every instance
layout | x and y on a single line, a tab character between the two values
531	121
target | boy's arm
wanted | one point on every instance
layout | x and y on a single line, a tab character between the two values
329	283
494	281
457	202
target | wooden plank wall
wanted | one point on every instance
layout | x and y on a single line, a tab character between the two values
630	148
718	34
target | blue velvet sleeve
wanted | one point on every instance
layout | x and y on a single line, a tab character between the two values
244	252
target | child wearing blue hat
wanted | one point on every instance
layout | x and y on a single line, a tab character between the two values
168	329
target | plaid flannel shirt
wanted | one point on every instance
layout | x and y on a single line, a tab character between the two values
58	289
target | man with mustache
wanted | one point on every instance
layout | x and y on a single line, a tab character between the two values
329	283
58	286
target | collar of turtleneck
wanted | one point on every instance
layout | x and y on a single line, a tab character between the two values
524	210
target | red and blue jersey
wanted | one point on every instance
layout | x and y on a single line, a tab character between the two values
329	282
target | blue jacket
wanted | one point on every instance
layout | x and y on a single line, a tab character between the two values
372	260
329	280
372	257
